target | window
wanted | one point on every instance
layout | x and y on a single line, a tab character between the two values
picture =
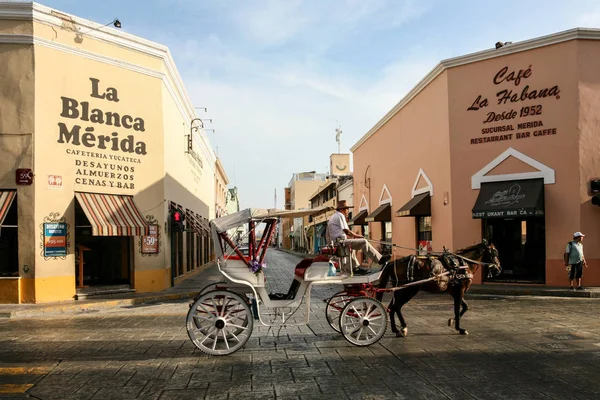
179	249
189	249
365	231
386	237
424	228
197	238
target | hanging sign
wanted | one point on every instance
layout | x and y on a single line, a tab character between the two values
150	242
24	176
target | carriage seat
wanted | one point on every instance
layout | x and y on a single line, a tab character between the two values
300	269
299	272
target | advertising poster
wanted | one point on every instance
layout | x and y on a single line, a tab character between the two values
150	242
55	239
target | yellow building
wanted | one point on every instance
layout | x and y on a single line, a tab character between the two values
97	144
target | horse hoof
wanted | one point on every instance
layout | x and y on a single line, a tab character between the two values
450	322
399	334
404	332
463	332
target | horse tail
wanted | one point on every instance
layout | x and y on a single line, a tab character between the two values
383	278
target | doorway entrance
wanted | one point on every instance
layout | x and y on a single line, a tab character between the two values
106	259
521	243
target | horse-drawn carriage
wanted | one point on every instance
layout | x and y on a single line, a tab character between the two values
222	316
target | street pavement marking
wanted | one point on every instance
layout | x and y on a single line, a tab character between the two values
24	371
20	388
10	388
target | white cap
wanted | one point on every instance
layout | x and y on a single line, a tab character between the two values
578	234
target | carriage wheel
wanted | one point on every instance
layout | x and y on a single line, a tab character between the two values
334	308
363	321
219	322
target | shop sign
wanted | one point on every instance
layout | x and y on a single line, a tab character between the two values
513	90
55	239
55	182
24	176
150	242
505	198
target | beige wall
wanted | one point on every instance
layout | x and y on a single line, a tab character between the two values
63	87
16	145
302	191
44	126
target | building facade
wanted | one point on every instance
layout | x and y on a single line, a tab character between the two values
97	147
498	145
338	187
297	195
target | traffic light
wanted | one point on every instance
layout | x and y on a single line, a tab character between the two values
177	218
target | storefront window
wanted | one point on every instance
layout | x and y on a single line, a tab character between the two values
365	231
424	228
386	237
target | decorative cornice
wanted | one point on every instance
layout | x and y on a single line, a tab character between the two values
383	200
543	171
425	189
548	40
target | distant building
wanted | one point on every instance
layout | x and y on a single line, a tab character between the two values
297	195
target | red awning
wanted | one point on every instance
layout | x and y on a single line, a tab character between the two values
6	199
112	215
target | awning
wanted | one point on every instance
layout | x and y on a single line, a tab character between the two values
359	219
382	213
112	215
520	198
418	206
6	199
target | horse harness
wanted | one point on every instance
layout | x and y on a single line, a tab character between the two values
458	268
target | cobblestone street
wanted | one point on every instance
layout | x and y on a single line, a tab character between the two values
518	348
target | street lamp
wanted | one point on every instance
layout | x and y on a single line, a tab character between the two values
115	22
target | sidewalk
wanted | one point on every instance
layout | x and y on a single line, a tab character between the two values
185	290
209	274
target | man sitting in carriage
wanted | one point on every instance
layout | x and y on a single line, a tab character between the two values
338	233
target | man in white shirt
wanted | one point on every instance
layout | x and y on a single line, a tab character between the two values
575	259
338	231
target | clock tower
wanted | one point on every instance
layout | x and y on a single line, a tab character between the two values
339	164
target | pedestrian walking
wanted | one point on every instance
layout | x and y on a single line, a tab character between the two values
575	260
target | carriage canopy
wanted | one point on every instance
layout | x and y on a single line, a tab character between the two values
240	218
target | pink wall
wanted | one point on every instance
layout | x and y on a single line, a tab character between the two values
437	132
416	137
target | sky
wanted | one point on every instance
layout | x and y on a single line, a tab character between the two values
279	76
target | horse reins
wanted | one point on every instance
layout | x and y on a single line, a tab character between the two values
435	253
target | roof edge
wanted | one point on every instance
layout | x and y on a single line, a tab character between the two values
542	41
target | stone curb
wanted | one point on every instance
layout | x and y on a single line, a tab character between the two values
95	305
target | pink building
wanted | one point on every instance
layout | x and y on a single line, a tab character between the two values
500	145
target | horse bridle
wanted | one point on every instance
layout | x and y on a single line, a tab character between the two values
493	254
